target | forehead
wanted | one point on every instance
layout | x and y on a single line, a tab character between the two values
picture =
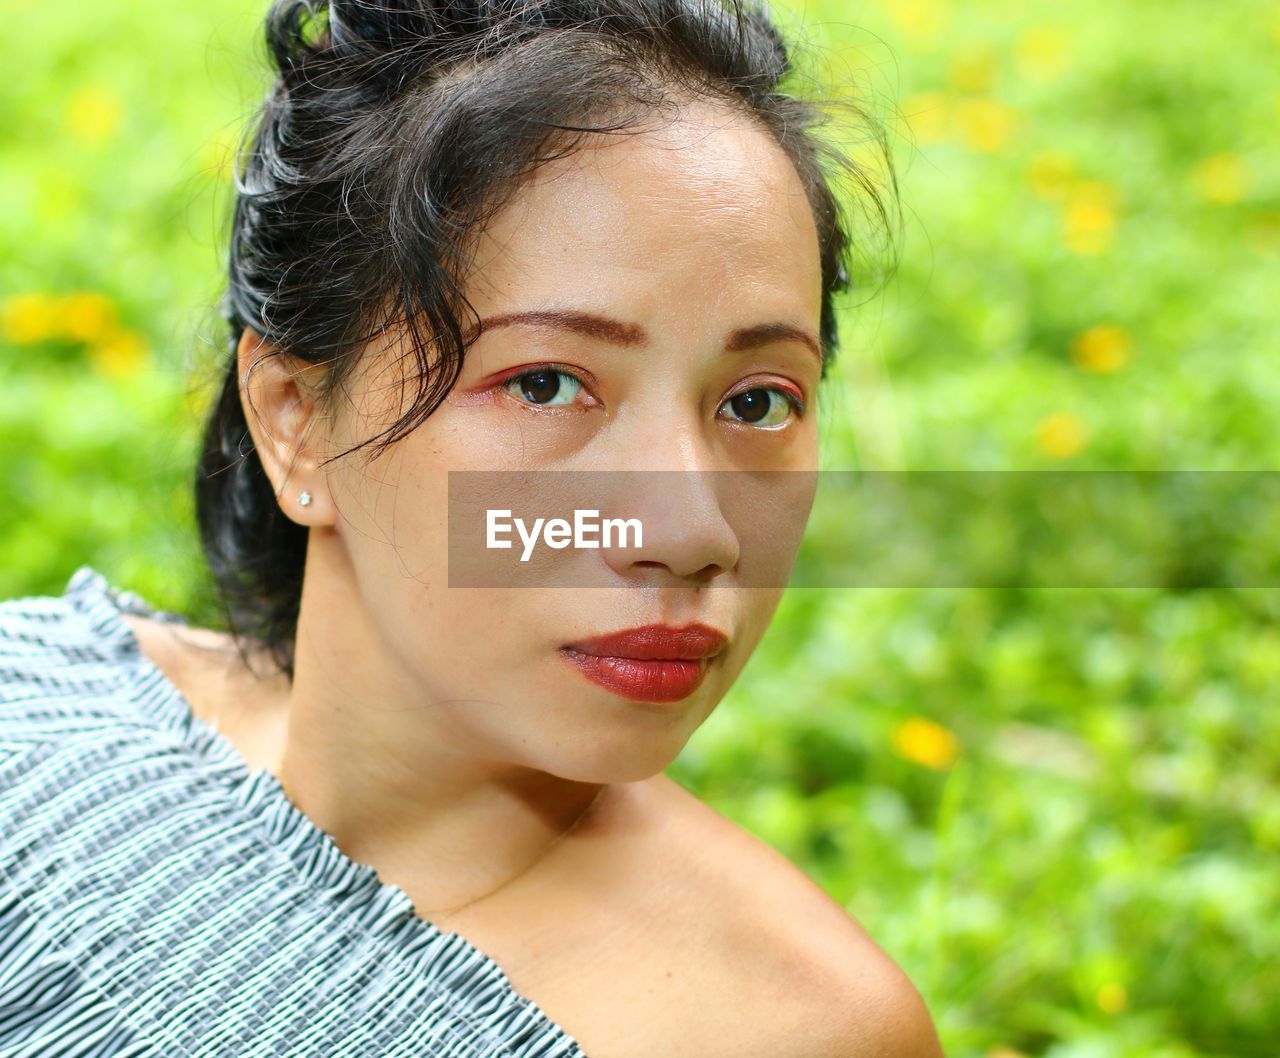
702	205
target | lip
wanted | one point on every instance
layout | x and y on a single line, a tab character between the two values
652	663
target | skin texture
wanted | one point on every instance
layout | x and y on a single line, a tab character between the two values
438	729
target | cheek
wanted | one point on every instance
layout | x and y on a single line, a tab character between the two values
481	631
756	607
492	652
458	636
395	513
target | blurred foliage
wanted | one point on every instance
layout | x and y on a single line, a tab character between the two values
1057	809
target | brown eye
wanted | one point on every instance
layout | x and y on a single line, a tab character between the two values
545	386
761	407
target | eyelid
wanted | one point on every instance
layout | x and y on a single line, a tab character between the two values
584	380
793	394
528	369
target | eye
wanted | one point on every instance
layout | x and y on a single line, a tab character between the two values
761	406
544	386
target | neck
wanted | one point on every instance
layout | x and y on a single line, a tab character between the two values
405	782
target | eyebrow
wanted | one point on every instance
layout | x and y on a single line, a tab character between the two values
630	334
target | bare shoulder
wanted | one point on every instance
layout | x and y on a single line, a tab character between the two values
166	648
873	1011
819	986
177	649
249	707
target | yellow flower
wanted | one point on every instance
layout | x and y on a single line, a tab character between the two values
923	742
1221	178
1042	53
92	114
88	316
120	355
1004	1052
973	71
1102	348
31	317
1050	174
921	20
1060	435
1112	998
985	123
927	115
1089	219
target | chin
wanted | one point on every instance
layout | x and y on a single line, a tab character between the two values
620	755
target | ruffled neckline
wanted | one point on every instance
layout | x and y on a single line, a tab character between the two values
382	908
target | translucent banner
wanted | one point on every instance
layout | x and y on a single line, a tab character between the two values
872	529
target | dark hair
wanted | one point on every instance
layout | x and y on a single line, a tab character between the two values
392	131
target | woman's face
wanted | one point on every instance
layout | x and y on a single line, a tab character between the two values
695	241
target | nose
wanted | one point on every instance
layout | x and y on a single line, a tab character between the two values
673	490
685	535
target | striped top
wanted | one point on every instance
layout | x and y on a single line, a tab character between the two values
160	899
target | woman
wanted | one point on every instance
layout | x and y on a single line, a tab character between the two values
393	814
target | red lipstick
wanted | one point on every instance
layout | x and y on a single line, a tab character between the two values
653	663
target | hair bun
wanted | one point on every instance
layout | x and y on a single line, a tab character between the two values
384	23
378	44
396	24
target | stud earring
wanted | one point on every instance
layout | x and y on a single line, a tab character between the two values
304	498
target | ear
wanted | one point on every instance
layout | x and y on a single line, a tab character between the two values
278	399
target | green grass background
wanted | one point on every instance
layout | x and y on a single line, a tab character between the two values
1059	810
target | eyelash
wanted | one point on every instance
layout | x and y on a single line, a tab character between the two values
797	405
